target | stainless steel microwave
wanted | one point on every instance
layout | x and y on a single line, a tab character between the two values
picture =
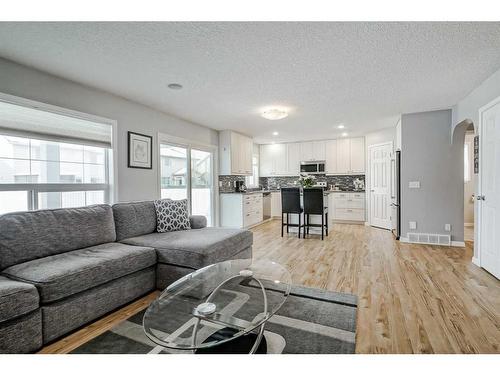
312	167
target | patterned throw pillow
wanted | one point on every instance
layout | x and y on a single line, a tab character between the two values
171	215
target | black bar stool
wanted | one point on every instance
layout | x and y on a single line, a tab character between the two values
314	205
290	204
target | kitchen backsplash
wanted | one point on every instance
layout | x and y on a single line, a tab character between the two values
343	182
226	184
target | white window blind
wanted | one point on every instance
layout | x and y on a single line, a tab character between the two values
31	122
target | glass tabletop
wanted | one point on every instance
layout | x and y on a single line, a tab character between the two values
216	304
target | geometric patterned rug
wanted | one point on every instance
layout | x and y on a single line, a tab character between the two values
311	321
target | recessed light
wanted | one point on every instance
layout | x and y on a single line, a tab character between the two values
344	134
275	133
175	86
274	114
341	126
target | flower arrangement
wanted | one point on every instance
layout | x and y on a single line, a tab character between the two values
306	180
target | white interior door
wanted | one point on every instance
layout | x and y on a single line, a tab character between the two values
489	205
380	185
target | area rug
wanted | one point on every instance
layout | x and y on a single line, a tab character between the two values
311	321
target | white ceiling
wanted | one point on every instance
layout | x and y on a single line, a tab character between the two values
360	74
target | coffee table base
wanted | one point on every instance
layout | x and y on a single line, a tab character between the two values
240	345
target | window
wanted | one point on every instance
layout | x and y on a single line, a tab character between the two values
253	180
42	165
467	170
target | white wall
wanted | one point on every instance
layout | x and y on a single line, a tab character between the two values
133	184
468	107
380	136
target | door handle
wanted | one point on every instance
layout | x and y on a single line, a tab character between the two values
481	198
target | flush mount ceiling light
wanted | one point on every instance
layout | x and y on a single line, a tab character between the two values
341	126
275	133
274	114
175	86
344	134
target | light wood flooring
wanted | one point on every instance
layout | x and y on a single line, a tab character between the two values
412	298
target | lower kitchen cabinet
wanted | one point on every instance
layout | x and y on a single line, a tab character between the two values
241	210
347	206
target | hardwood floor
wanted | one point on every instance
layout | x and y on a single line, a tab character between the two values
412	298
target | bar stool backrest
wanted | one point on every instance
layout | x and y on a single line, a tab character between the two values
313	201
290	200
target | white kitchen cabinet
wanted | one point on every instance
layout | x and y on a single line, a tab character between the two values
346	206
235	153
312	151
293	155
319	150
343	155
306	151
241	210
357	155
331	156
276	204
273	160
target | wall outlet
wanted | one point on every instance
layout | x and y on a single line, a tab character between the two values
413	224
447	227
220	184
414	184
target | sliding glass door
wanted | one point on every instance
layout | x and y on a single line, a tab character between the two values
196	182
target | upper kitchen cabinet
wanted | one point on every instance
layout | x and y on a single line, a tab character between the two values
273	160
235	153
350	156
293	151
331	156
312	151
357	155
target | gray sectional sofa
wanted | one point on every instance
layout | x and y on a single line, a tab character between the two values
61	269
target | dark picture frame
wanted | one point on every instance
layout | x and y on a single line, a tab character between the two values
140	150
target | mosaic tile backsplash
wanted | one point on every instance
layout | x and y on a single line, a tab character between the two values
343	182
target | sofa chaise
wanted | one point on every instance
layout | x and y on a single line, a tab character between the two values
63	268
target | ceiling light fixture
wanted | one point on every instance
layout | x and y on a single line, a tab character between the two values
275	133
274	114
344	134
341	126
175	86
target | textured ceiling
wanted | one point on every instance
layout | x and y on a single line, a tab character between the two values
359	74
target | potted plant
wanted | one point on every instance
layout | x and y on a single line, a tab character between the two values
306	180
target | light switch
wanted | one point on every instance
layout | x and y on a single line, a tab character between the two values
414	184
447	227
413	225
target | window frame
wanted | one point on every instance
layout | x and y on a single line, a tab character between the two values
110	188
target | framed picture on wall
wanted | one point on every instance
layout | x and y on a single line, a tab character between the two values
140	151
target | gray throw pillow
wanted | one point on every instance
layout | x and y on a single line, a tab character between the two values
171	215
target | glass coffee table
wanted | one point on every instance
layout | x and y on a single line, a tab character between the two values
222	308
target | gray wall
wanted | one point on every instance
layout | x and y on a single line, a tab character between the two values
429	156
133	184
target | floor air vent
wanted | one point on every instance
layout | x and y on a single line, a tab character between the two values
430	239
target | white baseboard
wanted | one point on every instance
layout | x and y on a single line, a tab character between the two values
458	243
367	223
468	224
476	261
403	239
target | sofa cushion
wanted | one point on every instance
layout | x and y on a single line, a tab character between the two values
171	215
195	248
62	275
134	219
25	236
16	298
